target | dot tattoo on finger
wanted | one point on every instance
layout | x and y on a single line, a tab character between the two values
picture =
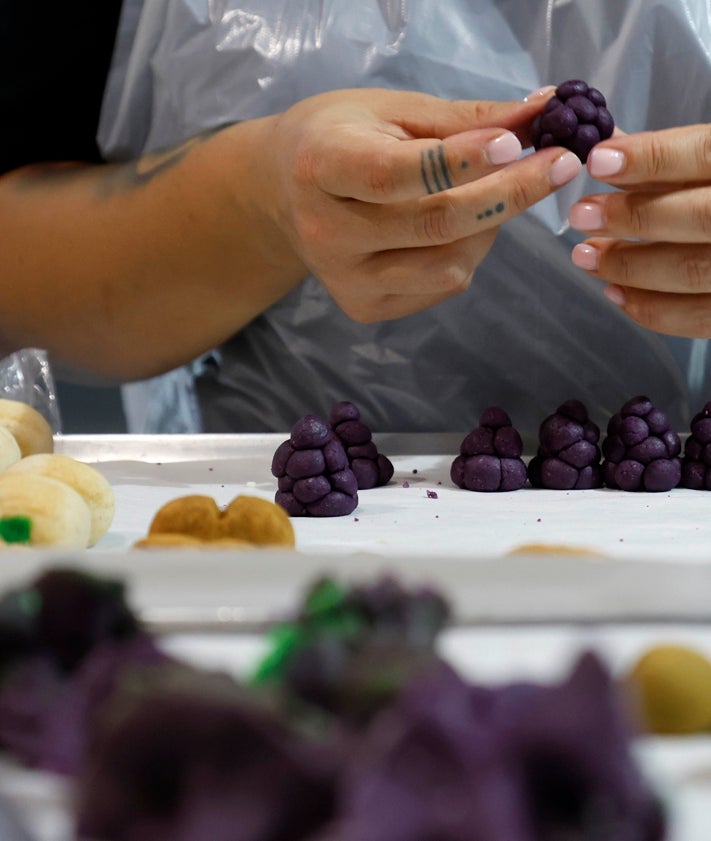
491	211
434	170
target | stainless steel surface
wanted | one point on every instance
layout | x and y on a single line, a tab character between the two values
175	448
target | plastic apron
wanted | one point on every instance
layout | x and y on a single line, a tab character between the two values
532	330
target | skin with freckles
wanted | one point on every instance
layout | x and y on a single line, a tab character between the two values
650	240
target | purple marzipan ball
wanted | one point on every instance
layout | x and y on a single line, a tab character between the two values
640	406
343	411
513	474
672	442
367	450
310	431
701	430
575	410
334	504
281	456
693	475
613	449
584	110
633	430
386	469
353	432
572	87
310	489
628	475
580	454
482	473
456	471
648	450
589	477
480	441
305	463
557	475
557	433
290	504
663	474
366	472
335	457
508	443
344	481
494	416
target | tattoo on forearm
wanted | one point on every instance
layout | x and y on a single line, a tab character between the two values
434	170
138	173
491	211
115	177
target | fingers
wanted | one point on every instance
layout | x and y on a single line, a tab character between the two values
646	159
406	145
451	215
656	266
665	287
673	314
678	216
396	170
409	280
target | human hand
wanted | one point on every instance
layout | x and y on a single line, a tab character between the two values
652	239
393	199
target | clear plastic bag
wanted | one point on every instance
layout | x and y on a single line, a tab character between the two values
26	376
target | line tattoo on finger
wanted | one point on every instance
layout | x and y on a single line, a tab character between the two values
491	211
434	170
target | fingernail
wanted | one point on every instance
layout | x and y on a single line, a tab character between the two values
602	162
564	169
585	216
541	92
503	149
616	294
586	257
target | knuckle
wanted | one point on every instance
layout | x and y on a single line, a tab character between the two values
701	214
638	214
697	272
522	195
617	265
703	149
305	165
644	309
660	158
381	179
437	224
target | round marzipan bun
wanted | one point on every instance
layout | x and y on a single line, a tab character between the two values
9	449
57	513
30	428
87	481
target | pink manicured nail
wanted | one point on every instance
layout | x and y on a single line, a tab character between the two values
602	162
564	169
616	294
503	149
541	92
586	257
586	216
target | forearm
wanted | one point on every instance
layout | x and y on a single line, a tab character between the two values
126	270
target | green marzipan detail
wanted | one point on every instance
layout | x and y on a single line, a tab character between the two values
16	529
324	614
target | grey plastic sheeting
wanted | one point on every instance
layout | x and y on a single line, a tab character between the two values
532	331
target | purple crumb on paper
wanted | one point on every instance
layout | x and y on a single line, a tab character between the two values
406	484
432	495
356	520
